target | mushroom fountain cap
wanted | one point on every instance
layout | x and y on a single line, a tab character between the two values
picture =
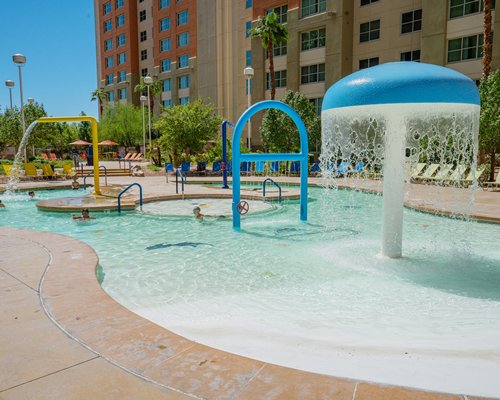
401	82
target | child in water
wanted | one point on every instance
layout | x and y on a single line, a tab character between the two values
85	215
199	216
31	195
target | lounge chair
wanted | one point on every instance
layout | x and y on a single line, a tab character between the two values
8	169
30	170
68	170
201	168
138	157
169	167
315	168
216	168
229	166
414	172
260	167
457	174
495	183
428	173
246	167
185	167
295	167
45	156
443	173
53	156
48	172
358	168
343	168
274	167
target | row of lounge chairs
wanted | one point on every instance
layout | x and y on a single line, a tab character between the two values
46	171
132	157
444	173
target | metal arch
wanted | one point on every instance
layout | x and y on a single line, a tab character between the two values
238	157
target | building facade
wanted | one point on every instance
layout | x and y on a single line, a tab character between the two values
201	47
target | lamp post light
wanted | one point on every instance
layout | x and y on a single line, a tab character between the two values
143	100
10	85
249	73
20	60
30	100
148	82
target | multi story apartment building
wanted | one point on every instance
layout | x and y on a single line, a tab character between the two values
201	47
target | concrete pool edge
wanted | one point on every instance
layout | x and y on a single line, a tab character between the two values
78	305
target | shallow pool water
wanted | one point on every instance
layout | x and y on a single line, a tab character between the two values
315	296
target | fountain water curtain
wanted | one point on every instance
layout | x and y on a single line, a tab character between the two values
18	160
393	117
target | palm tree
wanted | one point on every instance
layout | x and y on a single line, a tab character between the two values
154	89
100	95
270	31
487	46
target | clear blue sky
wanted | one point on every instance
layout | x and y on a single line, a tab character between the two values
58	39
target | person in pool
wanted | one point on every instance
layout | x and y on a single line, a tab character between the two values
199	216
85	215
1	204
31	194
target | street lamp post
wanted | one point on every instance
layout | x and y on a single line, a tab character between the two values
148	81
30	100
143	100
20	60
10	85
249	72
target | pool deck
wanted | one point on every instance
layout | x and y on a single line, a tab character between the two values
63	337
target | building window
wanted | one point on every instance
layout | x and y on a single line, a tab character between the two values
183	101
144	36
411	21
313	39
107	8
411	56
460	8
119	3
279	49
165	65
183	61
248	3
108	44
122	76
312	73
108	25
184	82
368	62
310	7
183	18
165	44
164	3
120	20
279	79
142	15
167	85
144	72
109	62
144	54
466	48
122	58
167	103
122	94
248	26
248	58
121	40
164	24
183	39
281	12
317	104
111	96
109	79
369	31
366	2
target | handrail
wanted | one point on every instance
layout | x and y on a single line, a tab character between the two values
91	173
124	190
183	180
275	184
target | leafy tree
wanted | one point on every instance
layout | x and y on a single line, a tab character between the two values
85	129
101	96
122	123
154	90
489	128
270	31
279	132
185	129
